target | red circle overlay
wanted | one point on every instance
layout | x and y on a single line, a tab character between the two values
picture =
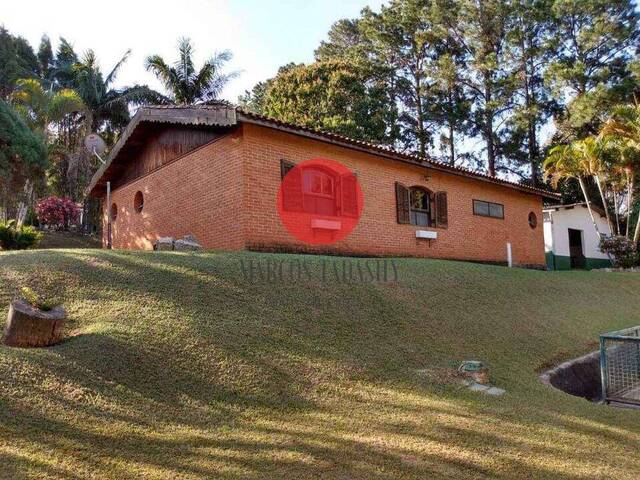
320	201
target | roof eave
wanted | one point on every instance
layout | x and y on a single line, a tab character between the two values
387	153
223	116
226	115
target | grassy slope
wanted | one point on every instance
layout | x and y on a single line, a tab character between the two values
177	367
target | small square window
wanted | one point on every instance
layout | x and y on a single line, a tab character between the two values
488	209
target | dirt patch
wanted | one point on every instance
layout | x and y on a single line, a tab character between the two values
579	377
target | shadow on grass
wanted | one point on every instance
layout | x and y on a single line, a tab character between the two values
298	448
191	361
111	365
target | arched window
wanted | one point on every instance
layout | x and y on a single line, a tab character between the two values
114	212
420	206
533	220
319	190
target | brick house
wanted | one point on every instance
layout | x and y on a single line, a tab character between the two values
215	172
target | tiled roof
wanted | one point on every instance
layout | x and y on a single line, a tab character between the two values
226	114
388	151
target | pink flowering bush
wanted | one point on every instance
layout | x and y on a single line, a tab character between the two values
625	252
57	212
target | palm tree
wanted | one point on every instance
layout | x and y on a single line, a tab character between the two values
591	155
107	110
565	162
626	159
624	123
42	108
108	106
57	115
185	84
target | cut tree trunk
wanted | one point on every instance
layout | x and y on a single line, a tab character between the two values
29	327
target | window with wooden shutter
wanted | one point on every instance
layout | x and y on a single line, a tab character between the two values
349	195
285	167
420	210
402	204
292	195
442	216
433	221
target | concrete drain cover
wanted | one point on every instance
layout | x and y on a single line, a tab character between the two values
493	391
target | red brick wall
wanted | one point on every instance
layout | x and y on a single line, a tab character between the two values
197	194
225	194
468	236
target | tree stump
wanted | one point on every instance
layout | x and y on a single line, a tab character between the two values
30	327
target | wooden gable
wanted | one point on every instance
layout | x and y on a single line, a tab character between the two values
160	145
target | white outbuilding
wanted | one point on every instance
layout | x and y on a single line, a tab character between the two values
570	241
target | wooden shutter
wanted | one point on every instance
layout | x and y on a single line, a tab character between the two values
433	221
402	203
292	196
348	195
442	217
285	167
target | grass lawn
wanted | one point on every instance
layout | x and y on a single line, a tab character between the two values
178	367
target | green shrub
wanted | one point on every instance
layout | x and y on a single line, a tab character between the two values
624	251
38	301
13	237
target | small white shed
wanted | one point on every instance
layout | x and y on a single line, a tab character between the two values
570	241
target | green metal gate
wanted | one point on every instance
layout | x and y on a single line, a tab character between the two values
620	366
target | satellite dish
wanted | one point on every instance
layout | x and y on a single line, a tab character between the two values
94	143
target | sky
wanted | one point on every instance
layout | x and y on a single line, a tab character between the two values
262	35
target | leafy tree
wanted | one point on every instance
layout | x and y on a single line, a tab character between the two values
345	40
350	44
46	58
480	28
332	96
185	84
23	160
62	75
451	105
590	69
491	69
530	43
17	60
592	157
408	57
402	38
257	99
